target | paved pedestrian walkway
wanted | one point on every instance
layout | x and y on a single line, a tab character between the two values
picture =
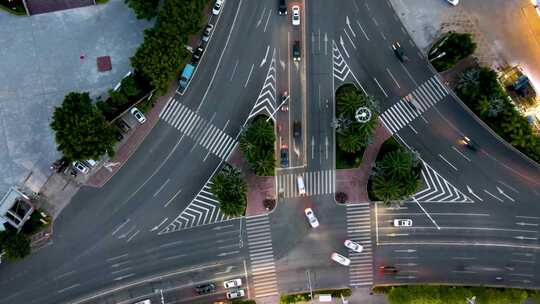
354	181
44	57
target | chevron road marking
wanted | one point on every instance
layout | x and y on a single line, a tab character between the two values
439	189
266	101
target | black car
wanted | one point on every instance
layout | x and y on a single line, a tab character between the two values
297	129
284	152
388	269
296	51
205	288
469	143
197	54
282	7
398	51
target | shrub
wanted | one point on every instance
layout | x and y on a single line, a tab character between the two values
230	190
341	197
455	47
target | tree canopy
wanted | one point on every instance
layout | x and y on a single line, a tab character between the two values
144	9
16	245
451	49
81	131
230	190
257	144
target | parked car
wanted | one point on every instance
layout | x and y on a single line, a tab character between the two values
232	283
197	54
217	7
284	153
297	129
138	115
122	125
340	259
312	219
282	7
236	294
81	167
354	246
402	223
207	32
205	288
296	51
296	15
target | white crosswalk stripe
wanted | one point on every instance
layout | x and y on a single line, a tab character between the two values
261	256
316	183
203	210
413	105
359	230
197	128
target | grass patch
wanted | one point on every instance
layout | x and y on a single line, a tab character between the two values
15	7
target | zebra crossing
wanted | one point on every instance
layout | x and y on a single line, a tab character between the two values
438	189
359	230
413	105
203	210
261	256
316	183
197	128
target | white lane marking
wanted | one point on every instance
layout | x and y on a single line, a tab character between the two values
161	188
509	187
527	238
348	22
119	264
171	244
260	18
246	279
415	132
528	217
474	194
124	277
427	214
343	46
376	224
393	78
267	19
396	234
132	236
263	61
117	257
504	194
408	74
383	36
448	162
174	257
463	258
249	76
462	244
490	194
172	198
465	228
234	70
64	275
405	250
68	288
157	227
120	226
220	57
522	261
361	28
464	271
380	87
121	270
375	21
436	213
228	253
460	153
350	40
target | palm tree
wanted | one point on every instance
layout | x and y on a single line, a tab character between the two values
386	189
396	164
260	132
349	102
349	141
230	191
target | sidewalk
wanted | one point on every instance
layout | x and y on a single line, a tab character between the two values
259	187
126	148
354	181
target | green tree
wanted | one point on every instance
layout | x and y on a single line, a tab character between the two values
81	131
144	9
257	144
16	245
129	86
230	190
452	48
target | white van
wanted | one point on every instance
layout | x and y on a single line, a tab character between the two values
301	186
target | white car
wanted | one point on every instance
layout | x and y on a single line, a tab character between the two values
312	219
144	302
301	185
138	115
453	2
296	15
232	283
217	7
81	167
402	223
235	294
340	259
354	246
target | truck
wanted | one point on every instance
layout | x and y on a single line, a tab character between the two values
186	76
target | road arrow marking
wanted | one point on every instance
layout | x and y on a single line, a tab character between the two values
265	56
229	268
343	46
474	194
502	192
526	224
312	147
397	234
525	238
326	143
325	44
406	264
349	25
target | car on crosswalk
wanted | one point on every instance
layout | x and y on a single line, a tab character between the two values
354	246
340	259
232	283
312	219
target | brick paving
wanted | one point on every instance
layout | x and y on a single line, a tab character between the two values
130	145
259	187
354	181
